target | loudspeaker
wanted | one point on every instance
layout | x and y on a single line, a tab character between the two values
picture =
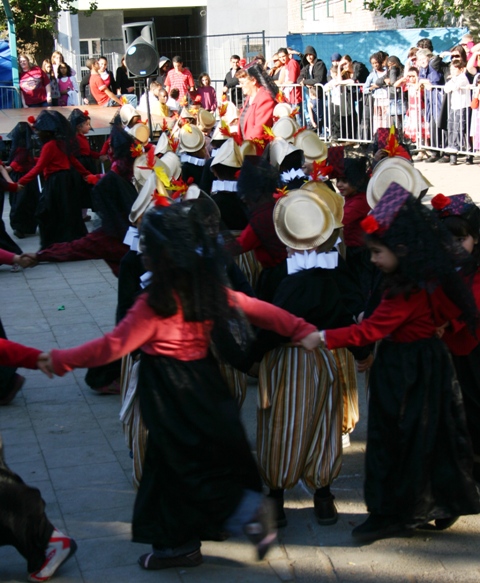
141	56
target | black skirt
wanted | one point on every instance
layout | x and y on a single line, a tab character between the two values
419	457
198	461
60	210
23	205
468	373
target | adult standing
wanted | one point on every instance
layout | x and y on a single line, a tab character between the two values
431	73
35	87
85	93
124	84
164	66
101	91
260	92
179	78
57	59
230	83
314	72
289	76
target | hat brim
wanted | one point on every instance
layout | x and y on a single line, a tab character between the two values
395	169
333	200
314	216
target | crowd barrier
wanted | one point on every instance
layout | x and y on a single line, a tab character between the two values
10	97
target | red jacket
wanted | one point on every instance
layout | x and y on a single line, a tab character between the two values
257	114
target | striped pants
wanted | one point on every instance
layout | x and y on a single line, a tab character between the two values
299	418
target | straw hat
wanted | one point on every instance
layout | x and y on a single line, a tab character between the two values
279	149
191	139
217	135
312	146
127	111
186	114
144	200
390	170
247	148
282	110
231	114
228	154
140	132
170	162
163	145
205	119
302	221
332	199
141	171
284	128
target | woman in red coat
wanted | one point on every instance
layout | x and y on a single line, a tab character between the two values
260	92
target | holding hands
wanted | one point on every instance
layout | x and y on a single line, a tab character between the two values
45	364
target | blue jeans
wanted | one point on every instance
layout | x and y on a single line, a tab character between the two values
131	99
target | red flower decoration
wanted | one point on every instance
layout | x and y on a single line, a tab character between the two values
31	119
440	201
370	225
85	113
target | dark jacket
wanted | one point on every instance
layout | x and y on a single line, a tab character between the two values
319	71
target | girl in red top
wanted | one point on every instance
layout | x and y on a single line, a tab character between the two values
59	210
199	478
23	204
461	216
419	457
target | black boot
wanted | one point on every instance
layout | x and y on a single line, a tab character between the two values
325	510
276	496
469	160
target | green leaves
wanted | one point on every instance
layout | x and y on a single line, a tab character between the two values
424	12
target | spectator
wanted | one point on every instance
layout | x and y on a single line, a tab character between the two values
207	93
411	58
153	91
102	94
35	88
107	75
66	84
124	84
230	82
55	91
261	60
415	127
164	66
289	76
431	73
314	72
394	73
85	93
425	43
172	101
162	102
274	71
373	86
179	78
468	44
57	58
457	87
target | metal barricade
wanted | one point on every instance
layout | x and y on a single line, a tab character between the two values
10	98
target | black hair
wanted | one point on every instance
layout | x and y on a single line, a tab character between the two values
177	59
463	226
425	43
235	57
258	180
427	257
356	172
282	50
67	67
185	265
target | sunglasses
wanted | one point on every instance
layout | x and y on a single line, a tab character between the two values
455	56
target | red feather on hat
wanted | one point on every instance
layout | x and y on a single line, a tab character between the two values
160	199
173	143
164	125
280	193
222	109
151	158
280	98
299	131
393	148
320	169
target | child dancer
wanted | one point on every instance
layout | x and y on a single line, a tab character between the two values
461	216
60	211
199	472
419	457
23	522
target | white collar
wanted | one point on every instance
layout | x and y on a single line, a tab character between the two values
308	260
290	175
196	161
224	185
132	238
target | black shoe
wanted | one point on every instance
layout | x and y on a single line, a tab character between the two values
444	160
432	158
325	510
15	385
261	530
469	160
19	234
279	511
150	562
453	159
440	524
377	527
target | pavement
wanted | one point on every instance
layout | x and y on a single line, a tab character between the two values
66	440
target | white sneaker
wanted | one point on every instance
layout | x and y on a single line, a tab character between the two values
60	549
345	440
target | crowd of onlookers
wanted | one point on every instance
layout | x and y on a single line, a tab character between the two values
431	98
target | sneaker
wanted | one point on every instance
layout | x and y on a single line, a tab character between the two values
261	531
60	549
377	527
346	440
325	510
421	156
